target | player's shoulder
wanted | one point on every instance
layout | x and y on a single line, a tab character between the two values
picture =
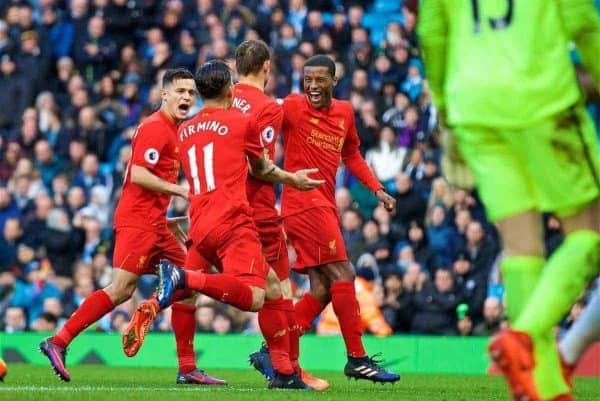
342	105
150	124
293	99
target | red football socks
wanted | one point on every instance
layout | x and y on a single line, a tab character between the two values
93	308
222	287
183	321
307	310
345	306
273	323
294	333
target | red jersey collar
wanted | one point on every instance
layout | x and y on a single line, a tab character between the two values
210	110
249	87
163	116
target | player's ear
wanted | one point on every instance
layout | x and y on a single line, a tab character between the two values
163	94
267	67
335	80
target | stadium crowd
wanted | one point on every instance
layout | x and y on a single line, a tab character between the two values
77	77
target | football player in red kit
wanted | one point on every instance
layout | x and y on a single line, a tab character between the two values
143	234
253	61
319	131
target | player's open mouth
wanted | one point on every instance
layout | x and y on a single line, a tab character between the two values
315	97
184	108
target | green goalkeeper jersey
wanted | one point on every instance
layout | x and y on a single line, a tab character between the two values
505	63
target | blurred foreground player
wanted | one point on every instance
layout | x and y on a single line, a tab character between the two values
143	234
319	131
217	145
500	72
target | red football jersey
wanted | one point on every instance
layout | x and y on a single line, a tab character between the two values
320	138
214	145
153	146
269	115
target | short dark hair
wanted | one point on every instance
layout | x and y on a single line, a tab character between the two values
250	56
212	78
173	74
321	60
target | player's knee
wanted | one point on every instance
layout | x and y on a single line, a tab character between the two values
258	299
339	271
257	304
286	289
321	294
273	287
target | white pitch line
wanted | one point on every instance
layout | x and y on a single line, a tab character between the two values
108	388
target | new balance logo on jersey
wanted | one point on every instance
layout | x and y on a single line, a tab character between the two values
314	121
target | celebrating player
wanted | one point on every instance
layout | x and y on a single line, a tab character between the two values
253	66
318	131
143	233
216	146
501	73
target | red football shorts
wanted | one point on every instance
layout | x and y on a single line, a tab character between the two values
195	261
233	248
316	237
138	251
274	247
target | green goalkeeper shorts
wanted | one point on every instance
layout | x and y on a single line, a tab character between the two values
552	166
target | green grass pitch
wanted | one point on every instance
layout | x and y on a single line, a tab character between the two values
103	383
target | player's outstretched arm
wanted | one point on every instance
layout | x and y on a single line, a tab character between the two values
581	22
266	170
143	177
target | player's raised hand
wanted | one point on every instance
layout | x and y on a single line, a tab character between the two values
388	200
303	182
175	228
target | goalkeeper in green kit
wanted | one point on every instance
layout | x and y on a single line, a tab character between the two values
501	75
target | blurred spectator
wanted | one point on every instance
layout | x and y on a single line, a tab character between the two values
15	320
95	51
472	285
352	234
409	203
9	243
387	158
89	175
439	234
62	242
35	224
31	293
46	162
492	318
16	93
435	306
46	322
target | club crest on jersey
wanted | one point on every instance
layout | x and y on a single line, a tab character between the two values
151	156
267	135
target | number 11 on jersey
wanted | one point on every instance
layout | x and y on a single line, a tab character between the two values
208	167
